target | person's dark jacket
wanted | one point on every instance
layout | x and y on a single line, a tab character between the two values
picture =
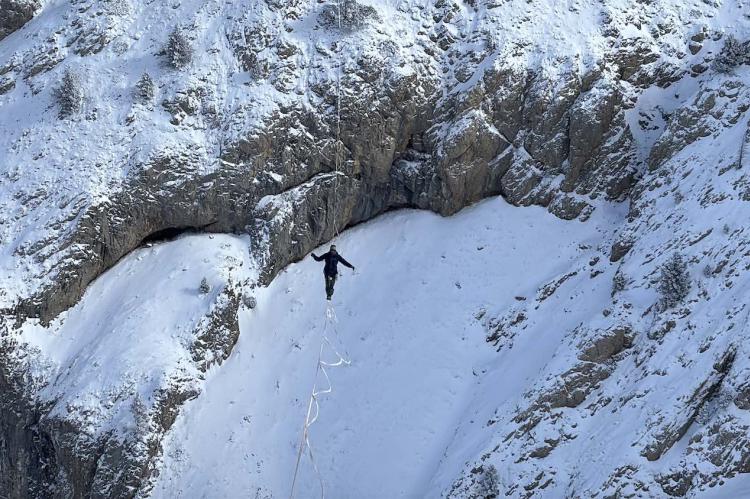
332	260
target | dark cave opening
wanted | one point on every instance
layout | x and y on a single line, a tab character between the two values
172	233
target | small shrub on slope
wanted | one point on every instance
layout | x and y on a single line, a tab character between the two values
145	89
618	282
488	484
674	281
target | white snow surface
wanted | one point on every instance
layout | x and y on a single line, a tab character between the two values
407	322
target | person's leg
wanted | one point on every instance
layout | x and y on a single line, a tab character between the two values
330	280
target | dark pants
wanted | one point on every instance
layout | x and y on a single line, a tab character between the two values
330	281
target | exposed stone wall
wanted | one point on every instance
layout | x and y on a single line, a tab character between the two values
14	14
398	148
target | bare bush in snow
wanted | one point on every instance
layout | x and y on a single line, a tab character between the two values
249	301
488	484
618	282
204	288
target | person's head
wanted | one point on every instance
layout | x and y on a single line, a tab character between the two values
333	248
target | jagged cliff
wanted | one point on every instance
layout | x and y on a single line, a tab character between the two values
431	105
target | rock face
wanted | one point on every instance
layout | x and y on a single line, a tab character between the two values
14	14
26	450
395	160
405	139
671	382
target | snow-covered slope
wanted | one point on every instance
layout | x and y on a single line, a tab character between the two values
583	390
134	330
408	320
644	399
114	369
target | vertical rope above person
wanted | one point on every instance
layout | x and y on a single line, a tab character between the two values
337	159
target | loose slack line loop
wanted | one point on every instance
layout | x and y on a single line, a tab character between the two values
313	405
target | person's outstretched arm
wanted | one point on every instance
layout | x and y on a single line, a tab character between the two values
319	258
342	260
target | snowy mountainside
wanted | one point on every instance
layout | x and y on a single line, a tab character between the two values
113	370
151	290
525	359
640	400
551	365
526	99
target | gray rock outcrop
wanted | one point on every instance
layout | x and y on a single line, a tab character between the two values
14	14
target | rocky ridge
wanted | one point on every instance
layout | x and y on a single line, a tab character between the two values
438	120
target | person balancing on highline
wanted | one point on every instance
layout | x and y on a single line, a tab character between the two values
330	271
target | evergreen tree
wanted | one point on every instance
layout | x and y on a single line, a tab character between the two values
204	288
69	95
179	51
674	281
145	89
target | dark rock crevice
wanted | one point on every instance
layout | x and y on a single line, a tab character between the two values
171	233
27	451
